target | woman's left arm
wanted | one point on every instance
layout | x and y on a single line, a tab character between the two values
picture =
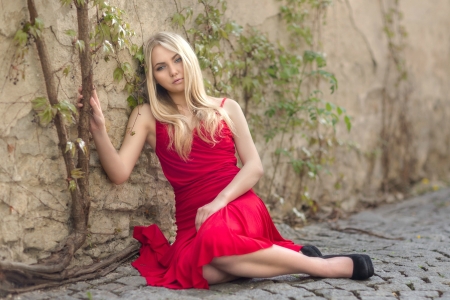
250	172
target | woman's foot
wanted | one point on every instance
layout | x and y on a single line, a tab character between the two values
362	265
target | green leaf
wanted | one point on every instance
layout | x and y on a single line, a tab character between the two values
40	103
107	47
126	67
34	31
77	173
38	24
140	55
178	19
329	107
21	38
72	185
46	116
132	102
309	56
70	32
348	122
118	74
65	2
67	110
65	105
82	145
70	147
66	71
79	44
129	88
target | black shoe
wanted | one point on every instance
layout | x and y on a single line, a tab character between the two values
311	251
362	265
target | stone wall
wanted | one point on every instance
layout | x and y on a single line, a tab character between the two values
34	201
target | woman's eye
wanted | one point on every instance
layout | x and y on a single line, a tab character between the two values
159	68
178	59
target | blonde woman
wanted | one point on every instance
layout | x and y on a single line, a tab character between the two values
224	230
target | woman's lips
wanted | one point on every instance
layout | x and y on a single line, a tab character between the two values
177	80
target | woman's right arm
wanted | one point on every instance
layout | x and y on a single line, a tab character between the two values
118	165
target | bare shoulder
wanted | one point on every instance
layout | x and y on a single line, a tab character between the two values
231	106
142	116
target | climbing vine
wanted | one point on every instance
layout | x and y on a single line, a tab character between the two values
92	41
396	135
279	87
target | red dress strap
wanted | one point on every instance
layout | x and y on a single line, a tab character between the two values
223	101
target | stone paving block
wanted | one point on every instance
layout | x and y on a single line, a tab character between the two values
254	282
200	293
315	285
79	286
110	287
405	279
288	291
375	295
124	289
388	274
336	294
243	284
436	286
36	295
440	279
98	281
132	281
355	286
45	296
254	294
226	287
374	280
67	297
158	294
291	278
95	294
127	270
226	297
409	295
393	287
340	281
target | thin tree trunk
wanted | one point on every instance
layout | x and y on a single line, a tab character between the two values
80	211
52	94
52	271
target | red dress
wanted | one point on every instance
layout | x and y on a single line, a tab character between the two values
242	227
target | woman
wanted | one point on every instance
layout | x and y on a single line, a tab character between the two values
224	230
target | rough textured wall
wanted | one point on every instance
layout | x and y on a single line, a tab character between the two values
34	200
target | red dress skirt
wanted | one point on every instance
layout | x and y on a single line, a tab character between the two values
242	227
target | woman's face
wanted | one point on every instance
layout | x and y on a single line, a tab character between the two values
168	69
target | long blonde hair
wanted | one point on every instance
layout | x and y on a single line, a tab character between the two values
207	115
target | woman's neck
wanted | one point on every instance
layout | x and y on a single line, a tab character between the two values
179	99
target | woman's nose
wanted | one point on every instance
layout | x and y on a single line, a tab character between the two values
173	70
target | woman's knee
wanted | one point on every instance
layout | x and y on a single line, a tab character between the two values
214	275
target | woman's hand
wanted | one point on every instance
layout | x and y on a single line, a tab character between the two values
97	121
204	212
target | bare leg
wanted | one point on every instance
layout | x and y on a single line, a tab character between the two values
277	260
214	275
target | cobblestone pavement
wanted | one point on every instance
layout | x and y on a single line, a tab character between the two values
417	267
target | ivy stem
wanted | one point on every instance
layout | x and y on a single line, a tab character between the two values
278	155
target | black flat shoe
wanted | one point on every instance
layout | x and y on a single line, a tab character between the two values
362	265
311	251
